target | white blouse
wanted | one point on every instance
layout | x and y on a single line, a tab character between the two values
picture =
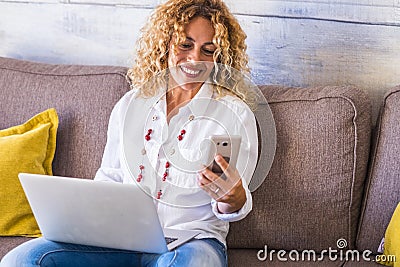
142	148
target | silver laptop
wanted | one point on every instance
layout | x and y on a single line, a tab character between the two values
104	214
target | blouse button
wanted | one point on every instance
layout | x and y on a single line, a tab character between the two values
172	151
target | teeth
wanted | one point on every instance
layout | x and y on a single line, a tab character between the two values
190	71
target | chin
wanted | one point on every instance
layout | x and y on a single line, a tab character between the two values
191	86
188	82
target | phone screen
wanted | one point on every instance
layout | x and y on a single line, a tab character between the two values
216	168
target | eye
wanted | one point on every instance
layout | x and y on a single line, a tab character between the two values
185	46
208	51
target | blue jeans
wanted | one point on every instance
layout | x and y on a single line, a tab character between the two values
42	252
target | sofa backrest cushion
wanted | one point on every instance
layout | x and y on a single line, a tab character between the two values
312	195
383	188
83	97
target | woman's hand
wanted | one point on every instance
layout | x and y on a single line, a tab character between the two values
226	189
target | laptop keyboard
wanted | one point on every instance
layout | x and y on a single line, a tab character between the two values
170	239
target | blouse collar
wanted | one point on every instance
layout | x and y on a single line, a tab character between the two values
197	105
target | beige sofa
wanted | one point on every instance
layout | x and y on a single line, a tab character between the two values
334	181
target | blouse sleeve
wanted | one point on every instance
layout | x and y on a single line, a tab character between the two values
110	169
246	164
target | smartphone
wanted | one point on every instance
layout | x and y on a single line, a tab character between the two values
227	146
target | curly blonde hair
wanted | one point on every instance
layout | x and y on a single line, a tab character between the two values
168	20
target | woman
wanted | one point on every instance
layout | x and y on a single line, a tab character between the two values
187	86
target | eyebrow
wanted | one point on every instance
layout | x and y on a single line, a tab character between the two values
192	40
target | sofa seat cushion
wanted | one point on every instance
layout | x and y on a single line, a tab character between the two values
255	257
362	263
10	242
312	195
248	257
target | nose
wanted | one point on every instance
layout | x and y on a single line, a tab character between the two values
194	55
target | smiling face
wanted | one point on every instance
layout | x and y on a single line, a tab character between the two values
191	61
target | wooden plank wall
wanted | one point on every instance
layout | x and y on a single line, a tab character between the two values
295	43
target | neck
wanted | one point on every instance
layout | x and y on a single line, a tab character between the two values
178	97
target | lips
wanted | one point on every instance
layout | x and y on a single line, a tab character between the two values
190	71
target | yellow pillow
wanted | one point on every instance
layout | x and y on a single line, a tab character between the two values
391	248
30	148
